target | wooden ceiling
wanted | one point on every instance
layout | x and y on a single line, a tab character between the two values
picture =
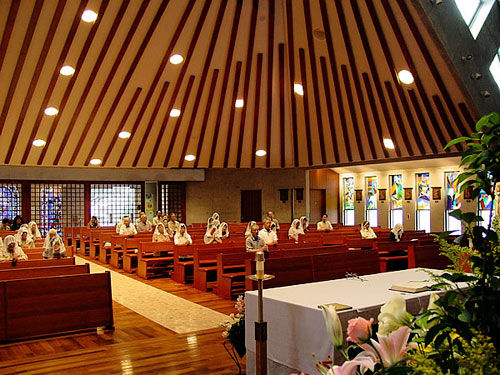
345	54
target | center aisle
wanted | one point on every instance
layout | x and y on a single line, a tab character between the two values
172	312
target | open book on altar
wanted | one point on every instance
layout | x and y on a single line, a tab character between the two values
413	286
338	306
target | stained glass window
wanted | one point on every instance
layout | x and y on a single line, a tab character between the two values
57	206
110	202
423	212
173	199
485	205
10	200
452	201
396	215
349	201
371	201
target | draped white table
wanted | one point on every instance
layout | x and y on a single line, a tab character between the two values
295	325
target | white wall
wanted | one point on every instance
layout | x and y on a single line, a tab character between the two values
221	192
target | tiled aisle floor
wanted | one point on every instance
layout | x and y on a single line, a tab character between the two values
172	312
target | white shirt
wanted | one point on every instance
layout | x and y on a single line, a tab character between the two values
322	226
182	240
127	231
269	237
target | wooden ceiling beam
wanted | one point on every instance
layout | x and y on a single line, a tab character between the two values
270	79
28	97
135	62
232	110
256	108
55	75
203	79
281	64
308	92
88	85
9	26
180	78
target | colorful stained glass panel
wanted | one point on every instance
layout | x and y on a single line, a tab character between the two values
10	200
371	193
423	191
396	192
485	201
452	192
349	193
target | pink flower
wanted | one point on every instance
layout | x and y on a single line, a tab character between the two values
364	360
359	330
391	348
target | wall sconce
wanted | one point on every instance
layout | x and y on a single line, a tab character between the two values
299	194
485	93
283	195
476	76
466	57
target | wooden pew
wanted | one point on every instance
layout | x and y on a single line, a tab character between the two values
359	243
427	257
296	270
37	263
100	238
231	273
391	251
54	305
129	245
183	268
149	265
29	273
205	264
336	265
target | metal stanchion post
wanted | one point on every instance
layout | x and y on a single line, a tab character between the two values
260	324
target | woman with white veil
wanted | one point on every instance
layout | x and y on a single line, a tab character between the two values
182	237
160	234
11	251
295	230
222	231
53	246
35	232
25	240
248	231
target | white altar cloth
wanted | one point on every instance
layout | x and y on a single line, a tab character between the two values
295	325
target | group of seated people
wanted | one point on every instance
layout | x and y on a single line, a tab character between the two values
12	245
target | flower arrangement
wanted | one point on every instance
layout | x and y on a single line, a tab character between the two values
460	331
234	330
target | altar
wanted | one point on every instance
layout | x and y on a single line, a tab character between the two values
295	325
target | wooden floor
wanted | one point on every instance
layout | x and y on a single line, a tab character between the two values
136	346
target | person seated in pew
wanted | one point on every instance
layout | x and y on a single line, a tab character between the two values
127	229
222	231
270	216
294	230
143	225
215	216
396	234
35	232
304	225
254	243
173	224
160	234
270	238
165	224
211	237
93	223
366	231
16	223
54	246
5	224
182	237
11	251
25	240
139	217
248	231
158	218
119	225
324	225
210	223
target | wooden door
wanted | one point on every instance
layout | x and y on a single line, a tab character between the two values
251	205
318	204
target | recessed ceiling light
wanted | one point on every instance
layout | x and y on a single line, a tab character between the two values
124	135
260	153
89	16
67	70
175	112
388	143
239	103
51	111
297	87
39	143
176	59
189	157
405	77
95	161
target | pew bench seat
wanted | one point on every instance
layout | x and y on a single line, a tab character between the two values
148	267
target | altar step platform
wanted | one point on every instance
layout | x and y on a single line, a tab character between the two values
295	324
